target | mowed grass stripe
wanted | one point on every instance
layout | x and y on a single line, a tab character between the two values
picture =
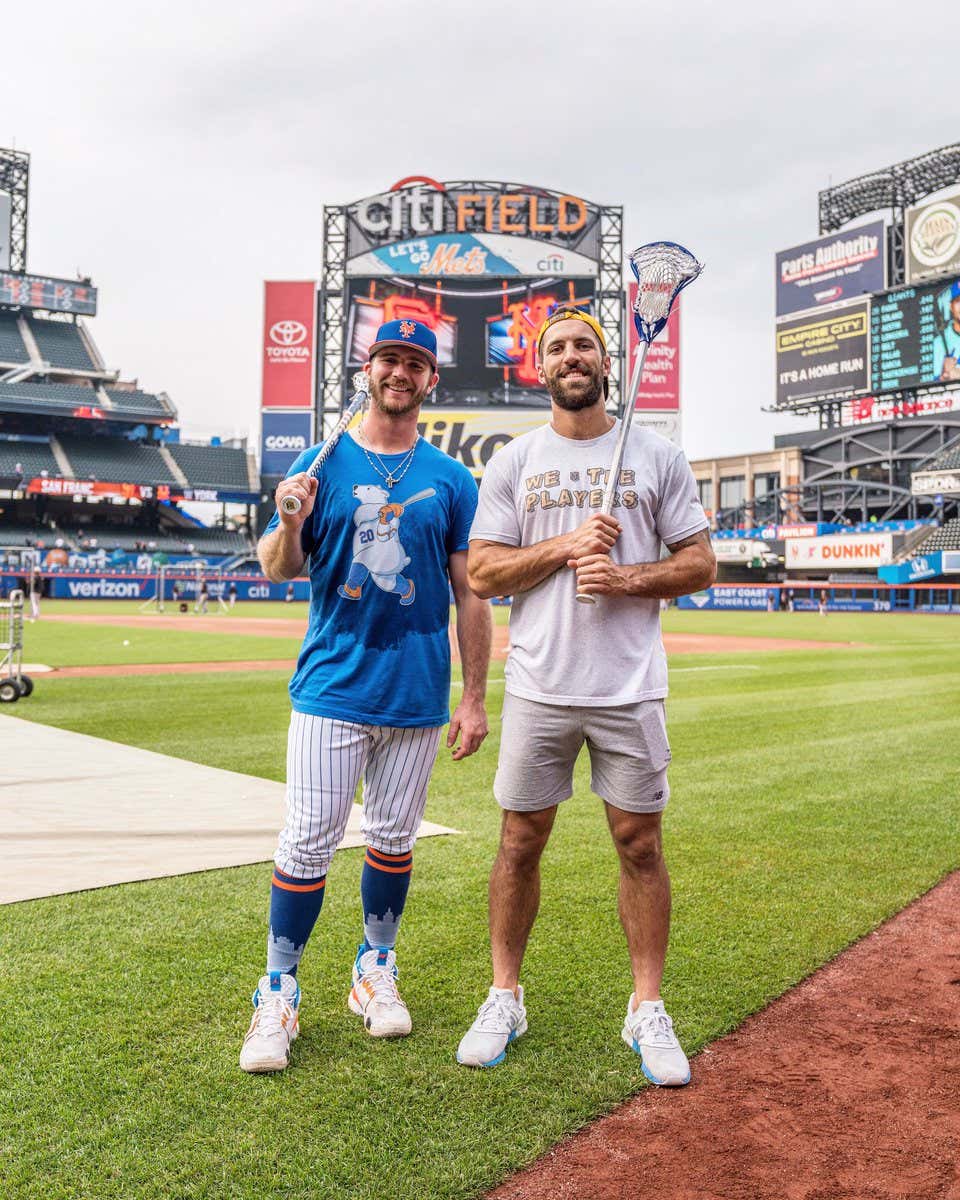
811	798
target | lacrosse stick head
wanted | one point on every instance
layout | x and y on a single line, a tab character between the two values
662	270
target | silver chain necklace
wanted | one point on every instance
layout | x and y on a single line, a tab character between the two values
381	467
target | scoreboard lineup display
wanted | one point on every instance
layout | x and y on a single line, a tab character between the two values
910	336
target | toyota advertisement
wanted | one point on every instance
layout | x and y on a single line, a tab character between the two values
289	332
831	270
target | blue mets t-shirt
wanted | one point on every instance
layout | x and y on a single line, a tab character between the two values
377	648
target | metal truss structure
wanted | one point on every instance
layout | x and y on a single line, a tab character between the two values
15	180
332	317
856	474
897	188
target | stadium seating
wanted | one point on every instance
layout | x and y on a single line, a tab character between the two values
948	461
15	533
116	460
33	457
12	349
140	402
221	467
65	396
61	345
947	537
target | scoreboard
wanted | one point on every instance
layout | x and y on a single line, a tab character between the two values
911	335
53	295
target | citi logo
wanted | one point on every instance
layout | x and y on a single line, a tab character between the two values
285	441
288	333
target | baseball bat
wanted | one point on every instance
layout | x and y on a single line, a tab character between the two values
361	390
424	495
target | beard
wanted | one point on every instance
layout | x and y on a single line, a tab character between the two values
580	393
396	406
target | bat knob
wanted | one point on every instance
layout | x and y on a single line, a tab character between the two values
290	505
585	598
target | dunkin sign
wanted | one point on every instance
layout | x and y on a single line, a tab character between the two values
867	550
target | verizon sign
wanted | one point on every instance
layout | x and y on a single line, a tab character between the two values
846	551
289	351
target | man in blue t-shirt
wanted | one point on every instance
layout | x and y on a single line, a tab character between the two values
950	336
383	534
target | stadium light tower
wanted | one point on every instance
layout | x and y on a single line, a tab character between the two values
15	180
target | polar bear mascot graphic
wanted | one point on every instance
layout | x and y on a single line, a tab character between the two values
377	550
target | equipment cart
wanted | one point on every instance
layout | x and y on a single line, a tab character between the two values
13	682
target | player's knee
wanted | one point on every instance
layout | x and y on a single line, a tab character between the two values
640	850
523	838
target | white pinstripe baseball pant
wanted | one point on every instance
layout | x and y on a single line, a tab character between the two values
325	760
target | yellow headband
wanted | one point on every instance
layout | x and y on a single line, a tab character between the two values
572	314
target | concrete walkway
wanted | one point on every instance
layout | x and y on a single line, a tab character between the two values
80	812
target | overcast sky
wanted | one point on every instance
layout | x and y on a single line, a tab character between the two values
181	154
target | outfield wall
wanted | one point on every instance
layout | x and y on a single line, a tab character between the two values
120	585
846	597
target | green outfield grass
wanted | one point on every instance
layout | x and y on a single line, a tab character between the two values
814	794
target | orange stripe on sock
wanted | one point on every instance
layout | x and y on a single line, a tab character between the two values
390	860
298	887
379	866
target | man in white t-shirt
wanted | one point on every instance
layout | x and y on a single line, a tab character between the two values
580	674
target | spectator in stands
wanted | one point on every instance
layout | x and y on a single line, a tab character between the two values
18	472
232	592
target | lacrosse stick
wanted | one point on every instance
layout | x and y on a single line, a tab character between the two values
361	391
663	270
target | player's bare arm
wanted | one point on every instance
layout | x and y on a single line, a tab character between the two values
691	566
498	570
280	552
474	634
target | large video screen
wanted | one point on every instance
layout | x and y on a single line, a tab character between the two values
915	336
823	354
485	330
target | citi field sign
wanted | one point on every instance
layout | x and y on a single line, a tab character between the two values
420	226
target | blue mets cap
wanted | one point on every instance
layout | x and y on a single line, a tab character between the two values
955	291
413	334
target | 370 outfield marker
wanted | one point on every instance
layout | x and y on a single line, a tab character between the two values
361	392
663	270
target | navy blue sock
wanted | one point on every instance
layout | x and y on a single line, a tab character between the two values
294	907
384	883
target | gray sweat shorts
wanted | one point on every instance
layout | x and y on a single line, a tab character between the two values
539	744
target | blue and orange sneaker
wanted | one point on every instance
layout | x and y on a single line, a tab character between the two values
275	1024
374	994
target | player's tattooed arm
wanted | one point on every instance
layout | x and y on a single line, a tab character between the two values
692	565
499	570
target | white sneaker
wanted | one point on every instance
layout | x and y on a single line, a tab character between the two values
500	1021
649	1031
275	1024
374	994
